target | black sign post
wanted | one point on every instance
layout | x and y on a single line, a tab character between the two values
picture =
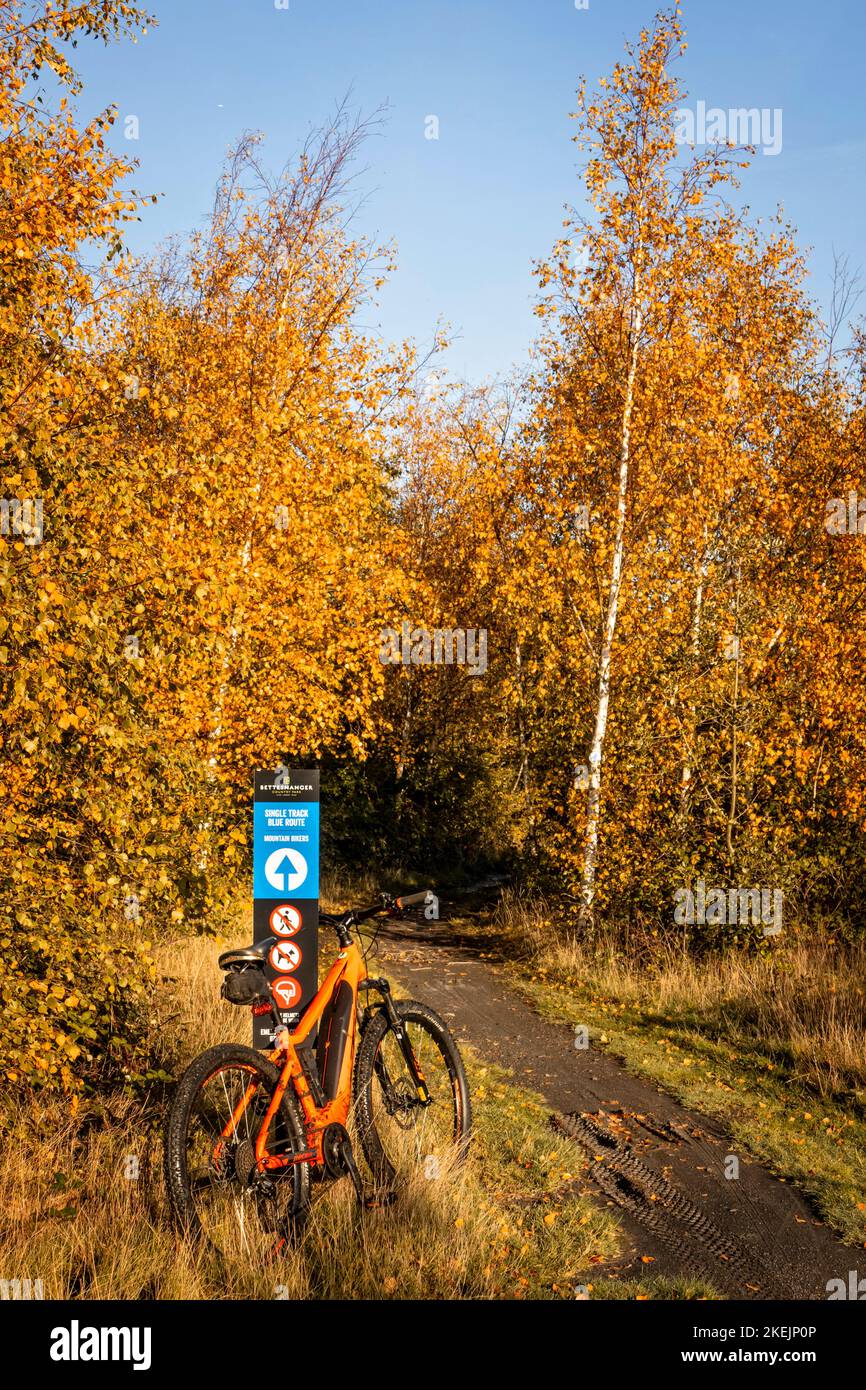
286	889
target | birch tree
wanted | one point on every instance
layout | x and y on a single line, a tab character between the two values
637	386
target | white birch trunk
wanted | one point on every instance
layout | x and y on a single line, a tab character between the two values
694	652
596	754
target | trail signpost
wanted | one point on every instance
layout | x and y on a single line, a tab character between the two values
286	888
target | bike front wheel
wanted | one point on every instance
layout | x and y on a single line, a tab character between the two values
405	1134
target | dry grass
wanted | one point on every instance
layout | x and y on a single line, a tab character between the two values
85	1213
774	1045
803	1003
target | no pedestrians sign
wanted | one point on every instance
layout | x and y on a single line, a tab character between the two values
286	889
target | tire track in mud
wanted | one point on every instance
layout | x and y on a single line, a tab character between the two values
685	1230
661	1165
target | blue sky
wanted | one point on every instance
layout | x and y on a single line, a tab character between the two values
472	210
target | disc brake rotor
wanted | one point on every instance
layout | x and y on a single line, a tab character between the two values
402	1104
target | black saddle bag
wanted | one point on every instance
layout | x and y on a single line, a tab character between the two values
245	986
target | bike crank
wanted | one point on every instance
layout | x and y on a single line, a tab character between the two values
340	1162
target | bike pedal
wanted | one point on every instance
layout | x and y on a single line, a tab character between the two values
379	1200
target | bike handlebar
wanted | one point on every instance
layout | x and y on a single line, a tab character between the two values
414	898
343	922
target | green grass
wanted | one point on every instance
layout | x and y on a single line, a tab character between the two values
818	1144
779	1055
697	1038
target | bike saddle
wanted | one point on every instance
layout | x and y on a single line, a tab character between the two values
246	955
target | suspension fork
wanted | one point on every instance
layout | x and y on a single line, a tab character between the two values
398	1028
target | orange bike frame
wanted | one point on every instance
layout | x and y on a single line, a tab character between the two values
348	966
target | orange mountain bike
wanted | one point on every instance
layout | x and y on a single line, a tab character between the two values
248	1132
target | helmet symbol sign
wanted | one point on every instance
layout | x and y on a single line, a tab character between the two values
287	992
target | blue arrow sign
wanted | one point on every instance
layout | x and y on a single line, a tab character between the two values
286	849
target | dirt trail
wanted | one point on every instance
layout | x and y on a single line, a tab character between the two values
661	1165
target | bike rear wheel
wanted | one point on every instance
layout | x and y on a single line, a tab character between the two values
401	1135
213	1185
